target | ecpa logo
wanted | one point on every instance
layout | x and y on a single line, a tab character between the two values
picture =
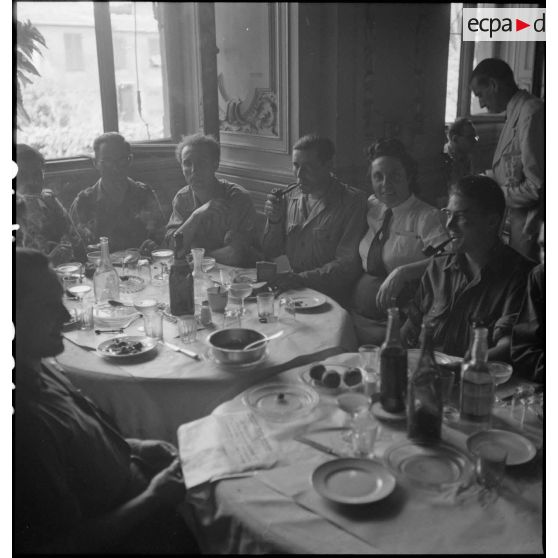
504	24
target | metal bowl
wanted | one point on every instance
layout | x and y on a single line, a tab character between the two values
226	345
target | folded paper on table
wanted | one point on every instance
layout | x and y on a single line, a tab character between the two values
222	446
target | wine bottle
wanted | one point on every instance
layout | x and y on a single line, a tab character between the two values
106	283
181	282
424	406
393	367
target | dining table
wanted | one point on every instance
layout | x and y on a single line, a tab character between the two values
151	396
273	505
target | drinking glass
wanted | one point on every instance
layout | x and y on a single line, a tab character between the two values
501	372
266	307
351	403
369	361
490	467
144	270
447	381
187	328
289	306
226	277
162	259
364	432
153	325
86	315
241	290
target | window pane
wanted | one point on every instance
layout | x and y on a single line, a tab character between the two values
453	61
63	102
138	67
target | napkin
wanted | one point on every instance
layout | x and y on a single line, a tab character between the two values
222	446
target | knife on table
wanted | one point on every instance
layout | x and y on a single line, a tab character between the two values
318	446
178	349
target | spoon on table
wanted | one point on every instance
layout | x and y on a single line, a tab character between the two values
260	341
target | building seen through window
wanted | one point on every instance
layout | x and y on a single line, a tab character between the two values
64	101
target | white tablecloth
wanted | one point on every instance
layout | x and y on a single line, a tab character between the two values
152	398
277	510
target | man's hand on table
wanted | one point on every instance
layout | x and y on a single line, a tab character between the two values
157	453
168	486
286	281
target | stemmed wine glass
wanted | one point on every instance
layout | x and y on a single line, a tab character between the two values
501	372
164	258
79	291
241	290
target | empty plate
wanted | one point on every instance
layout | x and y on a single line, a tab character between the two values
353	481
520	449
281	402
431	466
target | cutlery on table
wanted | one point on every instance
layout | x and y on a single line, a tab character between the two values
84	347
120	329
318	446
178	349
260	341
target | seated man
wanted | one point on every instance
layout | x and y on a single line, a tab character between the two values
482	279
210	213
44	223
318	225
528	335
126	211
79	486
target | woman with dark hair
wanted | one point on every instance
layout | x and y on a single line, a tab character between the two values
401	230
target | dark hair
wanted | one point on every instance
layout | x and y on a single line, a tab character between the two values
394	148
27	155
208	142
29	264
481	190
323	146
111	137
493	68
458	127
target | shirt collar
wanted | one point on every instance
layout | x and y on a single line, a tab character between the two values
101	192
457	261
404	207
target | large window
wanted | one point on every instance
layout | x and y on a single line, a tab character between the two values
101	71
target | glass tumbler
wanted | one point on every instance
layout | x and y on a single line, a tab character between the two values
187	328
153	325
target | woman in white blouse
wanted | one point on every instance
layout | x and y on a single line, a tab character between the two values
400	228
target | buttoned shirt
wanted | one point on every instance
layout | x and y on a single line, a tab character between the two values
44	223
449	299
238	226
136	218
528	336
519	159
415	226
70	462
323	247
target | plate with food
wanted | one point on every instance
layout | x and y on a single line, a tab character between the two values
333	379
353	481
126	346
307	302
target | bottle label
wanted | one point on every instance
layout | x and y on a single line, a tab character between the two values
476	399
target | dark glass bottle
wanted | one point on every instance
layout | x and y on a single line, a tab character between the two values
393	367
477	384
181	283
424	405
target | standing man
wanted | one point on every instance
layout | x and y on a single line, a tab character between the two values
318	225
518	164
210	213
126	211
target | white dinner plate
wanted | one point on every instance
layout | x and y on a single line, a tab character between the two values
353	481
306	302
429	466
340	369
520	449
281	402
147	344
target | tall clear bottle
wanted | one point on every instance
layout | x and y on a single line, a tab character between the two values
202	281
393	367
477	385
181	283
106	282
424	405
